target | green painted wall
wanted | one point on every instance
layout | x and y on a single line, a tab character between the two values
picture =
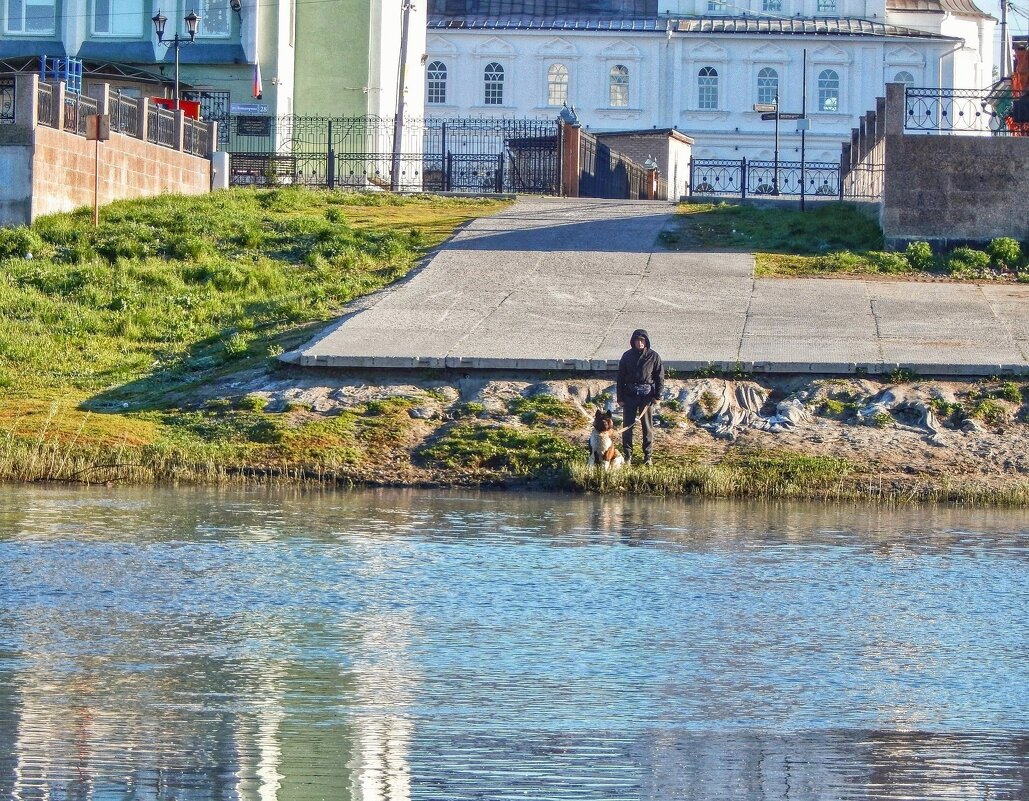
332	66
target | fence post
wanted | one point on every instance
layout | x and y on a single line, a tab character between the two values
840	179
743	178
212	137
570	166
26	100
330	163
690	187
59	92
178	129
102	95
143	112
500	173
448	181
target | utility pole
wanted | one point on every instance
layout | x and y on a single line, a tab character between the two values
803	127
775	173
1005	41
398	121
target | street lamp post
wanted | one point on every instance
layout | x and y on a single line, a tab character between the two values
192	20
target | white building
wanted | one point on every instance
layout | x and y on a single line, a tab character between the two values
699	66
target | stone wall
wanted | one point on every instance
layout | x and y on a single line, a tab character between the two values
45	170
944	189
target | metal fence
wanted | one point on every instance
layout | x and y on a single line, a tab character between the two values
160	126
764	178
124	115
6	101
607	173
997	112
76	108
46	108
458	155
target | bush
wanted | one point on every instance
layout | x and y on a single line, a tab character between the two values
1005	251
1009	391
920	255
885	262
19	243
963	261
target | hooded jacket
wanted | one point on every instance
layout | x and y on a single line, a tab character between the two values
640	367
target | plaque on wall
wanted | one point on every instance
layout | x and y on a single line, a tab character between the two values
253	126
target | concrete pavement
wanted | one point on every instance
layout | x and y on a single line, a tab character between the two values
559	284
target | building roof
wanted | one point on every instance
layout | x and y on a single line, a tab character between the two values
965	8
673	133
793	26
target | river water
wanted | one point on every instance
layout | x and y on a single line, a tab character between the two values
217	644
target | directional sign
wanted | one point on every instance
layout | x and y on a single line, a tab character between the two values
764	107
783	115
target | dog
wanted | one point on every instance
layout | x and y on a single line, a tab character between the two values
603	452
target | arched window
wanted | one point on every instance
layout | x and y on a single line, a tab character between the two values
904	77
767	85
707	88
436	73
775	6
619	86
557	85
493	78
828	90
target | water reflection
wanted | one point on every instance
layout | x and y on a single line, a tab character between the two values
403	645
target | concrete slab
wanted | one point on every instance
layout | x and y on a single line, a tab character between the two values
559	284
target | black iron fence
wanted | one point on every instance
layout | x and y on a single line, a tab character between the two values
433	155
996	112
743	178
76	108
6	101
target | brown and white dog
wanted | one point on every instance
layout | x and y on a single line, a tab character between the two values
602	443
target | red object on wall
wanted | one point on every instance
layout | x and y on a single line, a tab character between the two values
191	108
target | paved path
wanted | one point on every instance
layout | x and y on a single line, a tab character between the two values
560	284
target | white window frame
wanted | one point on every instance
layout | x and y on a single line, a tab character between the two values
24	29
771	6
436	82
710	87
618	82
558	78
826	7
493	77
221	12
823	96
763	95
909	81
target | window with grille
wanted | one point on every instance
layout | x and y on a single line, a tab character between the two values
494	81
436	74
826	6
774	6
718	6
26	16
767	85
557	85
618	95
829	90
707	88
904	77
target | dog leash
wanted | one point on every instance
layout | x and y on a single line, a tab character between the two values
622	430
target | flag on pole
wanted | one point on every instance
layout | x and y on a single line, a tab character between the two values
258	88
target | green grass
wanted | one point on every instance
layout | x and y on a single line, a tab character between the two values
500	448
106	333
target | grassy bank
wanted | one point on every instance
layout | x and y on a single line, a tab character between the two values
833	239
109	336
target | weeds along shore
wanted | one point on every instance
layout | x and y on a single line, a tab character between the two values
144	351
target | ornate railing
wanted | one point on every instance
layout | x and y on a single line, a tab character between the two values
6	101
160	126
996	112
195	138
765	178
124	115
76	108
45	106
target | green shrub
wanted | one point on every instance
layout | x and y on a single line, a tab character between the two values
1009	391
1005	251
236	345
920	255
537	407
886	262
967	261
19	243
882	419
990	411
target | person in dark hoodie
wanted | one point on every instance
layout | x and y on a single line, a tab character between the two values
641	376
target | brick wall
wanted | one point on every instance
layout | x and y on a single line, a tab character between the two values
63	164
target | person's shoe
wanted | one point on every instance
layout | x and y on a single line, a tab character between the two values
647	461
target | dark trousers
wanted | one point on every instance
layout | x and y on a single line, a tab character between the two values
633	407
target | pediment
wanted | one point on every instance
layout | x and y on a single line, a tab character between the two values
829	54
620	49
707	52
437	45
494	46
557	47
769	53
905	55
